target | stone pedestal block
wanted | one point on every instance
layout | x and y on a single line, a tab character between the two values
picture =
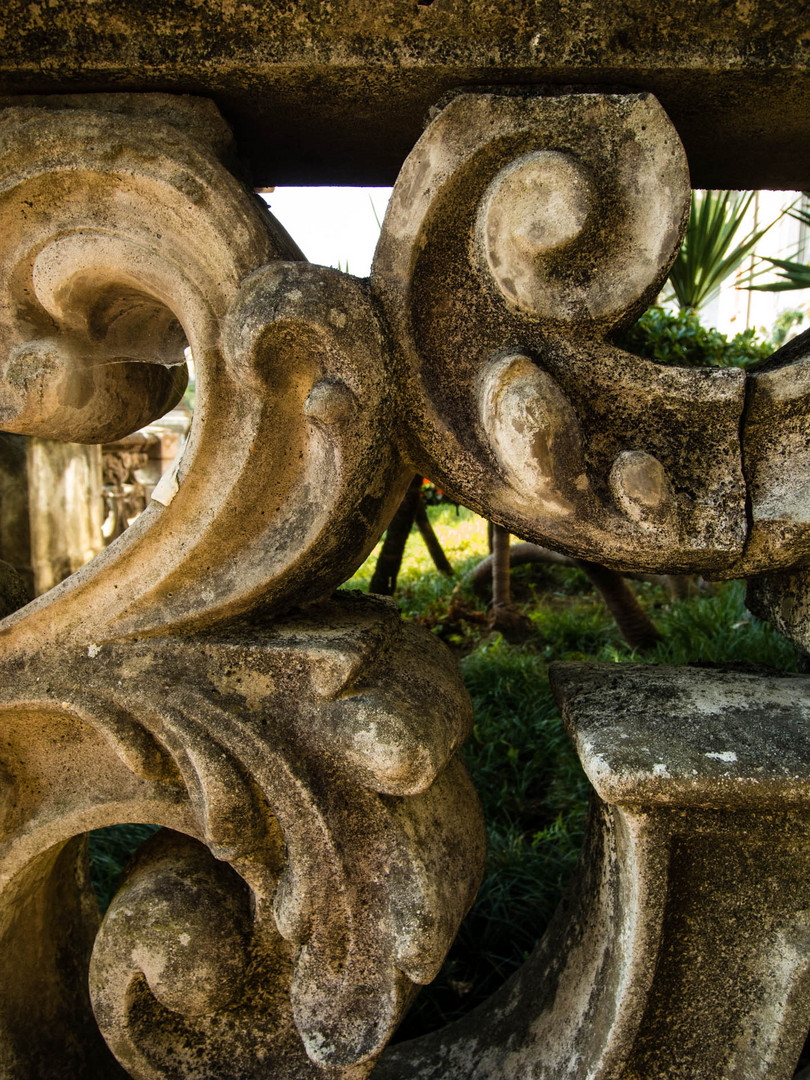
682	949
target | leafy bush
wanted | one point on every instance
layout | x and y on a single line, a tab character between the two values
681	339
791	274
786	325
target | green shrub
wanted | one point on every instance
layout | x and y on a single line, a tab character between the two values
110	850
713	248
681	339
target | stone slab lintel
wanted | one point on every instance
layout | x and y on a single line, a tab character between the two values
323	93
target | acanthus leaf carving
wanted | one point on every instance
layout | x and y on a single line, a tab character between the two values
320	817
124	242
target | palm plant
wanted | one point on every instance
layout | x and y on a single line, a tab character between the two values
793	274
711	252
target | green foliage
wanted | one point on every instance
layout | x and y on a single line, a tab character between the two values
784	322
680	338
719	630
464	537
711	251
518	749
792	274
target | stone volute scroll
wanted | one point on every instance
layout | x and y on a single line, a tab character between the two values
125	241
523	232
320	838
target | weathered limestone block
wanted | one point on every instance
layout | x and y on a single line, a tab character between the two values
776	438
683	948
775	447
783	598
324	92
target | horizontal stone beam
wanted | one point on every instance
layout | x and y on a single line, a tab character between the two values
338	93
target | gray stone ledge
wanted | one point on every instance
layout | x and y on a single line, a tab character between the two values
709	737
337	93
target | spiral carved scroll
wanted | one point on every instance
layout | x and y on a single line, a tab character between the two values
321	841
338	840
523	233
125	240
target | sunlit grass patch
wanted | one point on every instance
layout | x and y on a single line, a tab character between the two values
463	536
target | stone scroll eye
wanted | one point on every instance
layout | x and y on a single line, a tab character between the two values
536	206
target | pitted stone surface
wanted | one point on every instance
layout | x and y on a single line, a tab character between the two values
689	736
518	403
682	948
340	91
320	838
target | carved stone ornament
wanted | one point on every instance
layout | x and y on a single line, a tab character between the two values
522	233
324	840
320	837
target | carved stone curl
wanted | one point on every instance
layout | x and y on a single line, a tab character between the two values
127	239
522	234
353	836
321	840
324	840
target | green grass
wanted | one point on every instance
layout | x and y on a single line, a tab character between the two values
464	537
